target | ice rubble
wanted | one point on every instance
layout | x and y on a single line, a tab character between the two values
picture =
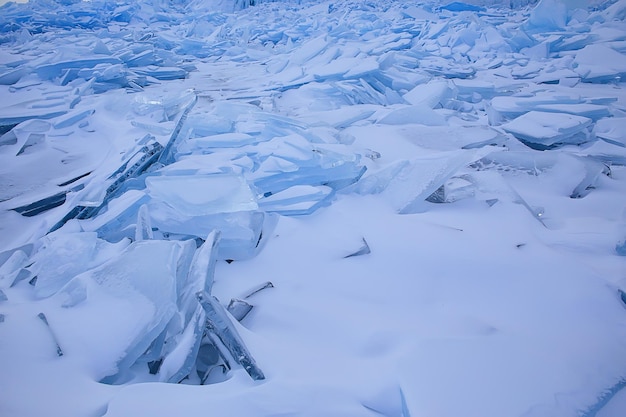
210	169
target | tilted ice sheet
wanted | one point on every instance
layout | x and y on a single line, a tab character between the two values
111	314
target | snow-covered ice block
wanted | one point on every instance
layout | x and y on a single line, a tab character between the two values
62	256
11	116
200	195
127	301
541	130
242	231
454	189
431	94
12	267
547	16
299	162
458	6
612	130
161	108
447	138
162	73
52	71
503	108
297	200
415	182
224	140
418	114
610	154
599	63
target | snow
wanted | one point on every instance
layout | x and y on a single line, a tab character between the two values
313	208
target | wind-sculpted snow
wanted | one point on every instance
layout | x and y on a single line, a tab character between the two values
146	147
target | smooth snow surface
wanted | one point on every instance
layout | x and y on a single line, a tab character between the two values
313	208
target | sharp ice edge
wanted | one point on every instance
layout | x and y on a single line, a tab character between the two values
605	398
219	323
44	319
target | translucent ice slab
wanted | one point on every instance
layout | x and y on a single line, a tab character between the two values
297	200
200	195
141	279
63	256
416	181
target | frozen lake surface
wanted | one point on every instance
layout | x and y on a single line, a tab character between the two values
313	208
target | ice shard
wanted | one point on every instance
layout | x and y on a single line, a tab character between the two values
239	309
40	206
143	228
593	170
12	267
44	319
219	323
178	363
166	156
202	270
363	250
258	289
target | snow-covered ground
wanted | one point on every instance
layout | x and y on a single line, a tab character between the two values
436	192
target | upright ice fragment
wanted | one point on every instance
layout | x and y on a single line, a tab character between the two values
239	309
143	229
44	319
128	301
363	250
408	191
202	270
12	267
593	170
219	323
